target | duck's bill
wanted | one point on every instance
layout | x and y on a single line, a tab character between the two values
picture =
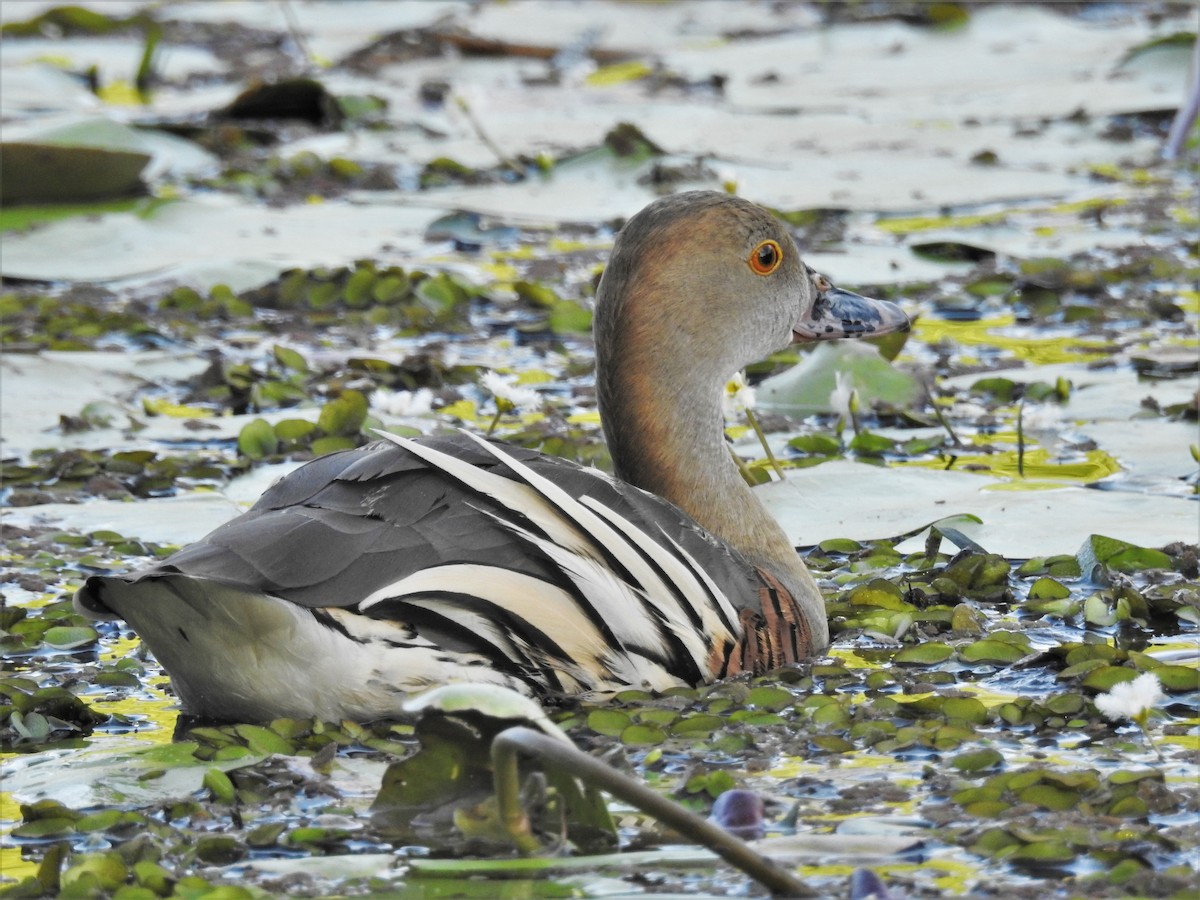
841	314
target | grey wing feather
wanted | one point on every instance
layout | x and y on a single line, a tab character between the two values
348	525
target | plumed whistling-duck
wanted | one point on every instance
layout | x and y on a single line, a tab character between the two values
369	574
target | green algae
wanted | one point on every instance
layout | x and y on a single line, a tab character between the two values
1029	348
1039	470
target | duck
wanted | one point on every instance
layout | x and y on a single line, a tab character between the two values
369	575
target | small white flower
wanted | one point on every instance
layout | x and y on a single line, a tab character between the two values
738	396
402	403
506	389
1131	699
728	178
842	397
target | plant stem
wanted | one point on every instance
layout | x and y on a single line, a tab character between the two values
1150	741
495	421
511	742
937	412
483	136
762	439
1021	440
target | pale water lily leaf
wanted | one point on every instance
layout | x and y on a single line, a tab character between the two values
805	389
120	772
205	236
828	501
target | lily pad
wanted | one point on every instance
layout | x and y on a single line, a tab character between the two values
989	650
1119	556
51	173
924	654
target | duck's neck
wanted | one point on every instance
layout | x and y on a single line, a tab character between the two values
666	432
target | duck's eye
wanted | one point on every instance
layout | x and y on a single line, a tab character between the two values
766	257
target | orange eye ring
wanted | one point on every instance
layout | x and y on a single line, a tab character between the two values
765	258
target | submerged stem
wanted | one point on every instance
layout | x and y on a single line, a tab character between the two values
1021	440
762	439
495	421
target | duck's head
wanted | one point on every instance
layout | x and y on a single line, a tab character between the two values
716	283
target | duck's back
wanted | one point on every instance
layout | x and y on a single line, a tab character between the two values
368	574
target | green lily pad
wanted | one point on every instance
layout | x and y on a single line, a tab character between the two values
697	725
977	761
220	786
609	722
643	735
69	637
990	650
1177	679
257	440
1043	853
45	828
344	416
106	870
770	698
264	740
292	431
1119	556
926	654
56	173
1048	589
1106	677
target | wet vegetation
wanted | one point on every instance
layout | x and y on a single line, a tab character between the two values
951	742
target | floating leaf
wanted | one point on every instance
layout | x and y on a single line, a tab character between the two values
45	828
257	440
568	317
264	740
1129	808
1043	853
643	735
1119	555
1002	389
289	358
219	849
54	173
989	650
618	73
446	767
105	870
1106	677
926	654
967	709
345	415
839	545
68	638
219	785
977	761
770	698
610	722
1177	679
817	444
1049	797
159	407
294	431
1048	589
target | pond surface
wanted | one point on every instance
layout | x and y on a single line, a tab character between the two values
430	194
